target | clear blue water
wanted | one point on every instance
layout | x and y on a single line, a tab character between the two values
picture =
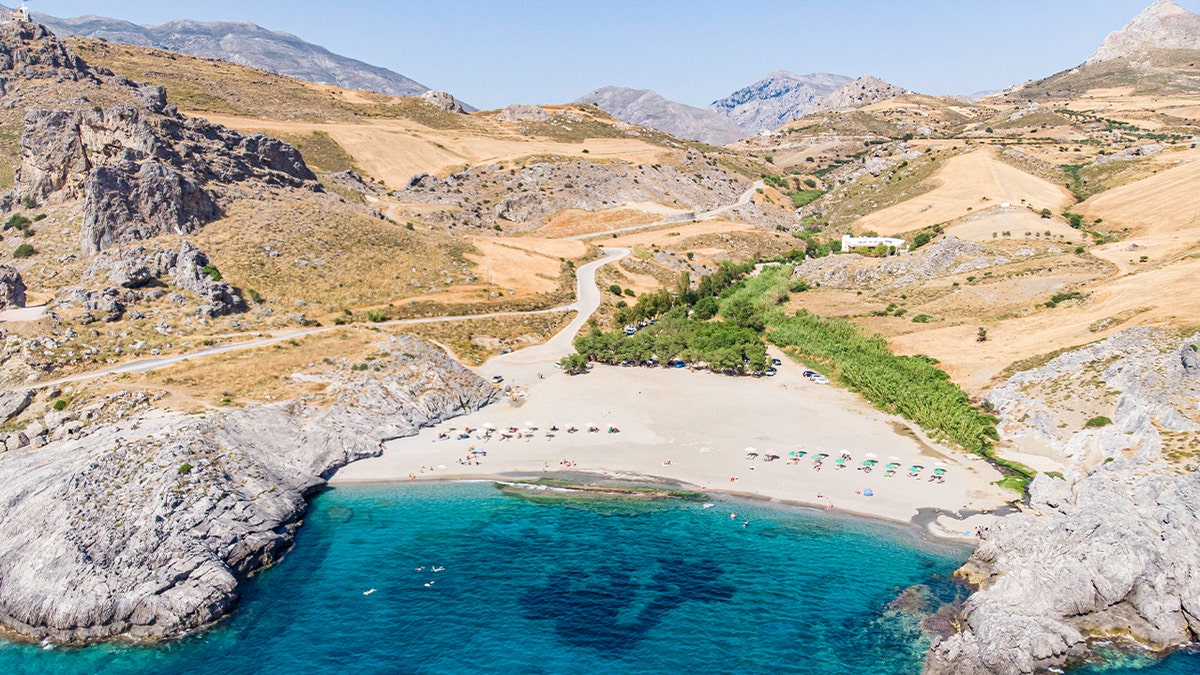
550	588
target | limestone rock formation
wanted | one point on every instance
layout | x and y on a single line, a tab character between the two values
776	100
1162	25
144	172
135	267
520	112
862	92
141	169
29	51
144	528
1112	555
12	288
443	100
650	109
948	255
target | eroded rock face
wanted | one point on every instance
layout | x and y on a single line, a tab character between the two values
29	51
12	287
1113	554
145	528
144	172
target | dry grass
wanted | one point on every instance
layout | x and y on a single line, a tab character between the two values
329	255
475	341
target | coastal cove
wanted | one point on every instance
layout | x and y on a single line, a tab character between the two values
526	586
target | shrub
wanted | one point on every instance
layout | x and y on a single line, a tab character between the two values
1046	213
17	222
629	292
185	469
376	315
614	289
922	318
60	405
255	296
24	251
1097	422
799	287
210	270
921	239
1075	220
810	182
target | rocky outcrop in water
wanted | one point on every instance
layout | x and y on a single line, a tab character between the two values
1111	557
1106	551
144	528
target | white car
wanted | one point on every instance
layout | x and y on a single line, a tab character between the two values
819	379
497	379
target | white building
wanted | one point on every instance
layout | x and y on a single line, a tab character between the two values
849	242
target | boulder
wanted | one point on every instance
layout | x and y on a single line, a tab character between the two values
519	112
12	287
13	403
443	101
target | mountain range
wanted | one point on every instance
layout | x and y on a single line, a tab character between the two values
244	43
777	99
650	109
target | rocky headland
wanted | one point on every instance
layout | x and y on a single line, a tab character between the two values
1106	552
140	523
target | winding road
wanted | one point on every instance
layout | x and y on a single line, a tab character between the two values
706	215
587	300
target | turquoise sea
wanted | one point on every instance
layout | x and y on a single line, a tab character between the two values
529	587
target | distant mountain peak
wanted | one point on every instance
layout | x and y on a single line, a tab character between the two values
648	108
777	99
1162	25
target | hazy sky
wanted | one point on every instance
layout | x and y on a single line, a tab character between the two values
550	51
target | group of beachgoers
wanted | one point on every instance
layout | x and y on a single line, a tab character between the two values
489	432
795	457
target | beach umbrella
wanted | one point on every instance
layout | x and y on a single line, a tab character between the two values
823	455
866	462
871	455
751	450
839	460
792	453
940	472
892	465
894	458
914	468
868	492
489	425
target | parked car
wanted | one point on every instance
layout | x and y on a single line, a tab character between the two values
770	371
810	373
497	379
820	379
776	362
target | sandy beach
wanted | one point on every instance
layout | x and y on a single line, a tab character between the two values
705	430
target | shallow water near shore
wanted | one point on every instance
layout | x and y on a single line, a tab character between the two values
461	578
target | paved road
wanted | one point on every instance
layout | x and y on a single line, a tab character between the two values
706	215
587	299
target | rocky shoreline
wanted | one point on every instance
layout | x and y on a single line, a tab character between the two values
1107	551
145	529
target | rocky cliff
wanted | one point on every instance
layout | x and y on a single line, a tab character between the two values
650	109
143	528
145	171
1111	557
776	100
1107	551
